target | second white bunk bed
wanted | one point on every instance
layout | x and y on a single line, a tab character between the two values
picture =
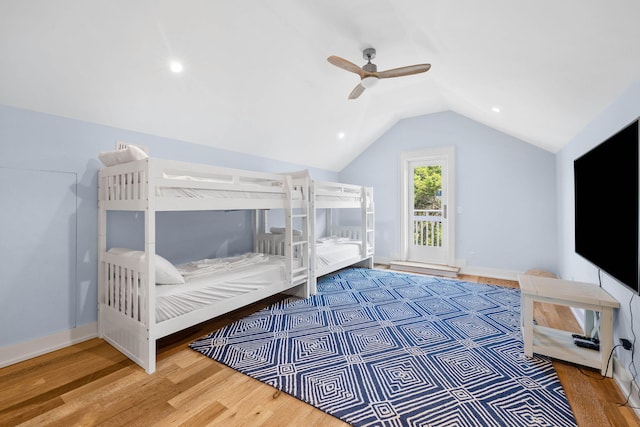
334	245
134	310
341	245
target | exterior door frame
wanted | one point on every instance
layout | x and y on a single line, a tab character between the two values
406	158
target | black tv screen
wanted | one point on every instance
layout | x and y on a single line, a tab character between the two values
606	206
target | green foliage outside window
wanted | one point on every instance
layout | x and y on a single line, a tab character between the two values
427	180
427	183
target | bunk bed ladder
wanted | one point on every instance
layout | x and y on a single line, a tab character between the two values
296	251
368	223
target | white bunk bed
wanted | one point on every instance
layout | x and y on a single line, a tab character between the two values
341	245
134	312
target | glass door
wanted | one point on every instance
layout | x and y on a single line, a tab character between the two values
428	224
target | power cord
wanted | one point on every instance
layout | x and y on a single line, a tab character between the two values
609	359
632	364
599	277
601	377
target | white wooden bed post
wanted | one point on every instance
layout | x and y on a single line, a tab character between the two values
363	222
150	252
259	226
102	247
288	238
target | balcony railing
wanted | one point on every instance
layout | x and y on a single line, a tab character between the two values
427	227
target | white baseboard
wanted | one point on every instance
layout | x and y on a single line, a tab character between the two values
468	269
29	349
382	260
494	273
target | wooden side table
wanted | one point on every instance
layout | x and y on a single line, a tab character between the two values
558	343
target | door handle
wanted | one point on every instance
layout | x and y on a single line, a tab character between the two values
444	211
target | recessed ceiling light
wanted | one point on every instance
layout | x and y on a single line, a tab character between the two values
341	135
176	66
496	109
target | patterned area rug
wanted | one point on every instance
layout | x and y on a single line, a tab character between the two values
380	348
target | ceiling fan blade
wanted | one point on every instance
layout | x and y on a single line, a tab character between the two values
403	71
345	65
356	92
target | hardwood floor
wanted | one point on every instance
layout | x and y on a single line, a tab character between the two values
93	384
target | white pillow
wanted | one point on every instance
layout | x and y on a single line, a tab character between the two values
129	154
166	273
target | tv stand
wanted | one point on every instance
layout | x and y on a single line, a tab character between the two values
557	343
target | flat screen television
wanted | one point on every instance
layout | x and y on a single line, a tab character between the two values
606	206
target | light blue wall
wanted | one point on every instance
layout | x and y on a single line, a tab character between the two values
505	187
42	146
572	266
36	274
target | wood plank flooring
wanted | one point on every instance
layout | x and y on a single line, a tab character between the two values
93	384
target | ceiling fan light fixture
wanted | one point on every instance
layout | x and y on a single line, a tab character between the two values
369	82
176	66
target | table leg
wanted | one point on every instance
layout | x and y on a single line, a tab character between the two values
606	340
526	319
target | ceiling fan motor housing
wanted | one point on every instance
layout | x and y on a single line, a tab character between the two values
370	68
369	54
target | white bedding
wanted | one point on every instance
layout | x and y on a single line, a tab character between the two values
203	193
205	267
266	189
201	290
333	250
339	197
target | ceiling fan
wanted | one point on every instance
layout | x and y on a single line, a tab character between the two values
369	74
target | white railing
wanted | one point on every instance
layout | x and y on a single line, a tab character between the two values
427	227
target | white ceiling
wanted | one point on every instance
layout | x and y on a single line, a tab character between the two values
256	79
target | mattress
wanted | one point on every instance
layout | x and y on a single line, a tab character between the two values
331	251
204	288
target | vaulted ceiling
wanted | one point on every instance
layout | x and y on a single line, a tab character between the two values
256	77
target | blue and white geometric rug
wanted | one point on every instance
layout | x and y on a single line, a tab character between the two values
380	348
